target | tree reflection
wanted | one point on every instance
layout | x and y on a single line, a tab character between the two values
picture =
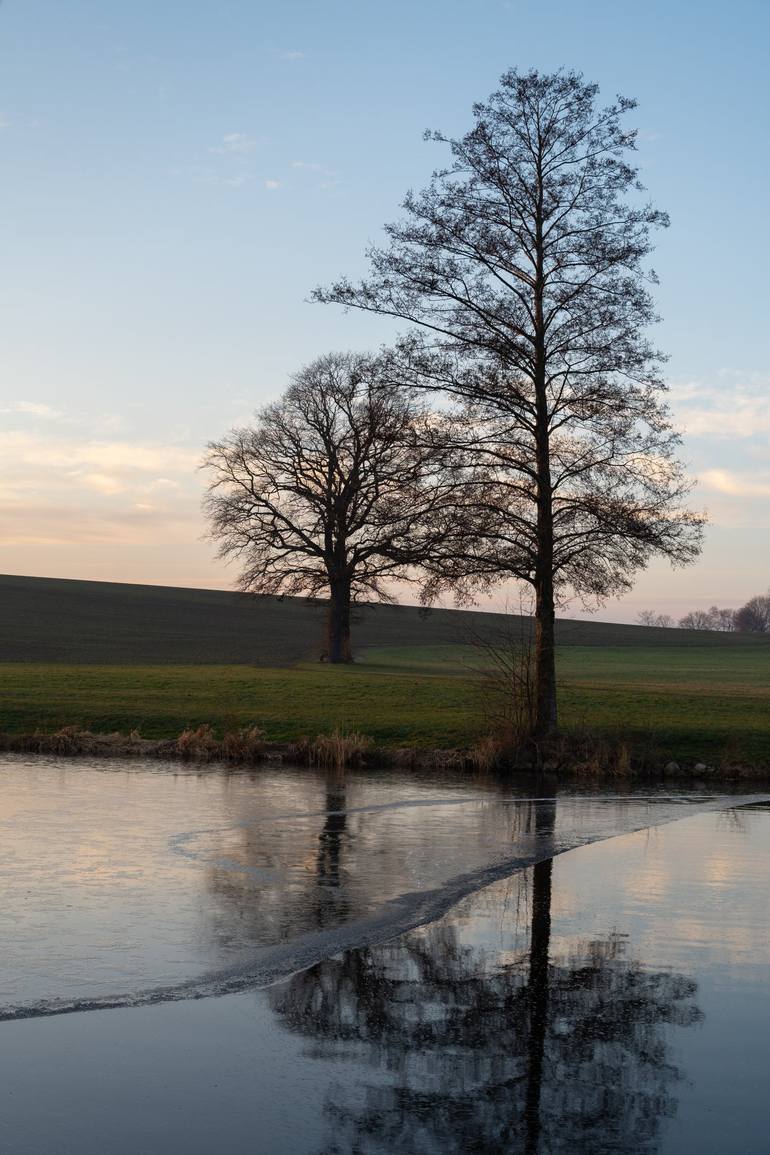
264	903
538	979
471	1048
333	866
333	831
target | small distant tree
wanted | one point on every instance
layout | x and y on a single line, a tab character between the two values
722	619
333	491
696	620
714	618
650	618
522	269
754	617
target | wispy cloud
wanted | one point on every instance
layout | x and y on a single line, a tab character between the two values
232	181
331	176
63	489
293	54
273	185
104	483
34	409
228	180
731	407
726	423
132	456
734	484
73	524
238	143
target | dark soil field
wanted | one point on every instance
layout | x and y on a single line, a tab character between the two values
58	620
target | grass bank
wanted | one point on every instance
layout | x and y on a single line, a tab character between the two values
689	704
160	701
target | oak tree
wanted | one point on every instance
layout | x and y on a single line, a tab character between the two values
332	491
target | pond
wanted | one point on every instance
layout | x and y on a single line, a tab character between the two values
287	960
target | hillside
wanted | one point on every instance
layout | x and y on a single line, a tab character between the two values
86	622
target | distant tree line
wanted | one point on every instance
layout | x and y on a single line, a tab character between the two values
751	618
517	429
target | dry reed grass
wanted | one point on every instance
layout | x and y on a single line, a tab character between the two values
572	754
243	745
487	754
337	750
198	743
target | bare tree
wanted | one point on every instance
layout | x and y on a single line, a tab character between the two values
754	617
333	491
651	618
714	618
521	268
696	620
722	619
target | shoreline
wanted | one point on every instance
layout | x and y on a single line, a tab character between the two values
338	751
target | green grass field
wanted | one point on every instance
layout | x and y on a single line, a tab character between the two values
415	682
693	707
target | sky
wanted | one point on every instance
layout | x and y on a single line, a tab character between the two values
176	178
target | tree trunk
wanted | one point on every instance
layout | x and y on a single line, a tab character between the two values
545	610
338	631
545	656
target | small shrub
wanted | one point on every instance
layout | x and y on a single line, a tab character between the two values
507	678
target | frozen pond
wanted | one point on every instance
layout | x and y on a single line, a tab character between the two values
394	963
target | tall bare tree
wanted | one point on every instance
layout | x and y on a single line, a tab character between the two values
334	490
521	269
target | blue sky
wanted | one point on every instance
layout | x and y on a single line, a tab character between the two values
177	177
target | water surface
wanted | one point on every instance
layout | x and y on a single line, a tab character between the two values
423	965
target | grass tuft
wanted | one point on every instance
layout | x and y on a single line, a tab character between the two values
337	750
